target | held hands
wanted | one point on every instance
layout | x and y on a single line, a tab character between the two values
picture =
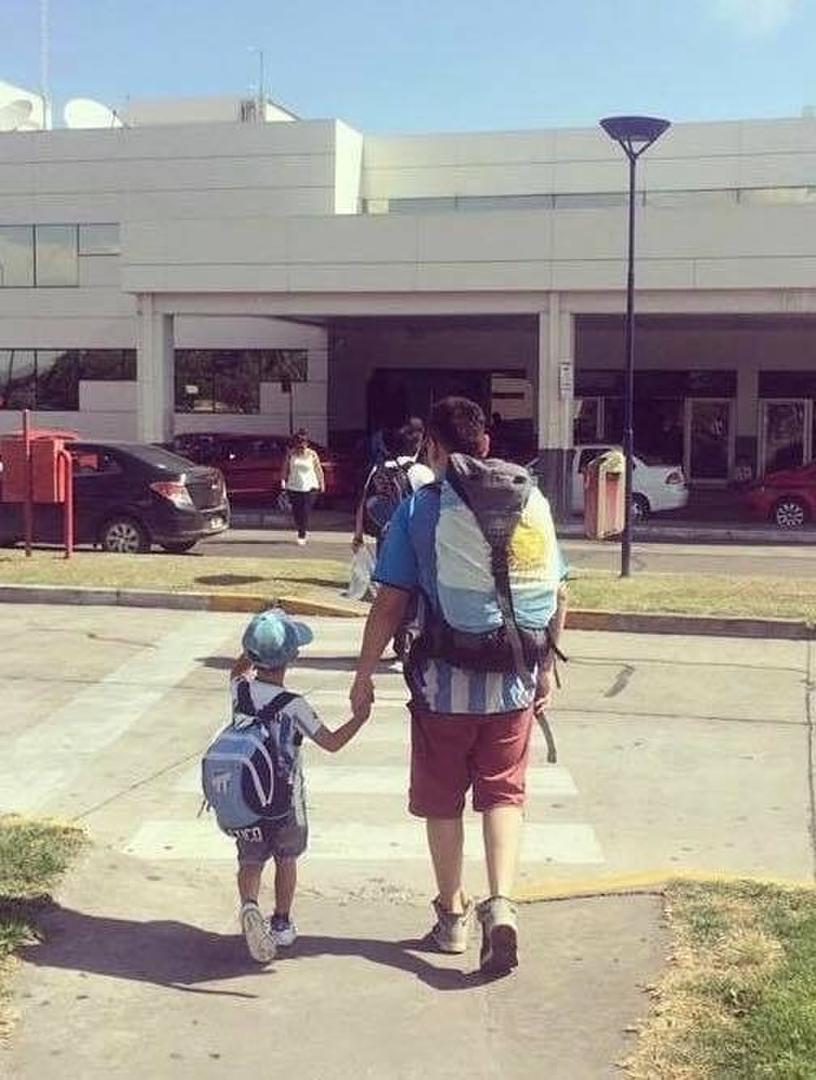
361	697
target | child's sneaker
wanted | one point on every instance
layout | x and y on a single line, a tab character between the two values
259	940
283	930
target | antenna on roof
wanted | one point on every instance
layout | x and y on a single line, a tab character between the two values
45	43
15	114
261	95
87	113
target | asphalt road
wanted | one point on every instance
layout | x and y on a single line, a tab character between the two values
746	560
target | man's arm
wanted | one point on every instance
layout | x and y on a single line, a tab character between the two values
387	612
545	683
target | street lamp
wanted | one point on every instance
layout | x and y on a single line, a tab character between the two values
635	134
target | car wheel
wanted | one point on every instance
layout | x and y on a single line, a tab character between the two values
790	513
640	508
181	547
125	536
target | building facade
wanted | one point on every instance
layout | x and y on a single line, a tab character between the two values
202	269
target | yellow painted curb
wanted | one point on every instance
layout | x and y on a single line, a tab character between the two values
294	605
649	882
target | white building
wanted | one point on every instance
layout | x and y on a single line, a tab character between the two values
378	273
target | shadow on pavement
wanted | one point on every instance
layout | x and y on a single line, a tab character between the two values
176	955
303	663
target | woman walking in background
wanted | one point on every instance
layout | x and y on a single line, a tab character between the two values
302	479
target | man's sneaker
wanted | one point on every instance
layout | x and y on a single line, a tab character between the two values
283	930
499	953
451	932
259	941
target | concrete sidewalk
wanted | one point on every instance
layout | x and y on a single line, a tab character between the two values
677	756
144	975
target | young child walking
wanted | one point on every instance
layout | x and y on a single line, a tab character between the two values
271	642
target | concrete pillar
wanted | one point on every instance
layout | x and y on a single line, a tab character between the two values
155	382
556	375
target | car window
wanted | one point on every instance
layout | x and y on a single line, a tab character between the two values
94	463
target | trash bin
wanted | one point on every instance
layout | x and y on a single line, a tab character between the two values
604	495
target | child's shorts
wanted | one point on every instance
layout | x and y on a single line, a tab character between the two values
286	840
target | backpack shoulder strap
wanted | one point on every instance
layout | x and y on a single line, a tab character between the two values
277	705
245	704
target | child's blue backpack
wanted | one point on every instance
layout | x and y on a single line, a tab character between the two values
248	771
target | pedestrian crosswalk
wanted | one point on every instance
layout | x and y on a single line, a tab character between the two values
121	725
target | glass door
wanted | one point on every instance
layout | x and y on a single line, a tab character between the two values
785	433
710	440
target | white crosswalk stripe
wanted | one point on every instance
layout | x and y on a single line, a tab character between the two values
353	841
366	780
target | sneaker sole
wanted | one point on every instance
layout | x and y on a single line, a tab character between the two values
260	945
503	955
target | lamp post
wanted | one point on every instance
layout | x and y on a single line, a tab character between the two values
635	134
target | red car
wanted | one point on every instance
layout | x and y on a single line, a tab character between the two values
252	464
787	498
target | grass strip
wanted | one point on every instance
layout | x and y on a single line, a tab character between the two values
738	1001
172	573
696	594
682	594
33	857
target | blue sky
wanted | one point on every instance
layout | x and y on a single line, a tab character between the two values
431	65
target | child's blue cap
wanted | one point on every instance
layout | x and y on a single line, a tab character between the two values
272	639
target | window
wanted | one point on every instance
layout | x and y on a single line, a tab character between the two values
57	264
107	365
16	256
94	462
49	379
237	381
57	380
17	378
229	380
99	240
194	381
280	365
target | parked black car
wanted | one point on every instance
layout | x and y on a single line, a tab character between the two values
128	496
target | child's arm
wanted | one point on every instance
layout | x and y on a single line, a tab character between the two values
337	739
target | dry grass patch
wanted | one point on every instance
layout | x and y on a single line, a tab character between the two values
738	1001
33	857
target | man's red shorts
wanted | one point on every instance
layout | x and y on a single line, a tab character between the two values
450	753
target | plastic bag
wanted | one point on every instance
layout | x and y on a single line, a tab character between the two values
362	567
284	503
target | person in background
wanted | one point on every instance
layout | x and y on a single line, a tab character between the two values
302	479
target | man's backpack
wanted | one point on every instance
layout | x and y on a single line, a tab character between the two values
497	568
385	489
248	771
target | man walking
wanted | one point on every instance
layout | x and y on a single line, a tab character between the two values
489	611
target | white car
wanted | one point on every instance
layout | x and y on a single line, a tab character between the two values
655	487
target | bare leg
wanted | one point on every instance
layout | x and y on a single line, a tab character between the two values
446	838
285	883
501	828
249	881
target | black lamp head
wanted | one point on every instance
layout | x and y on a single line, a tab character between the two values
634	133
